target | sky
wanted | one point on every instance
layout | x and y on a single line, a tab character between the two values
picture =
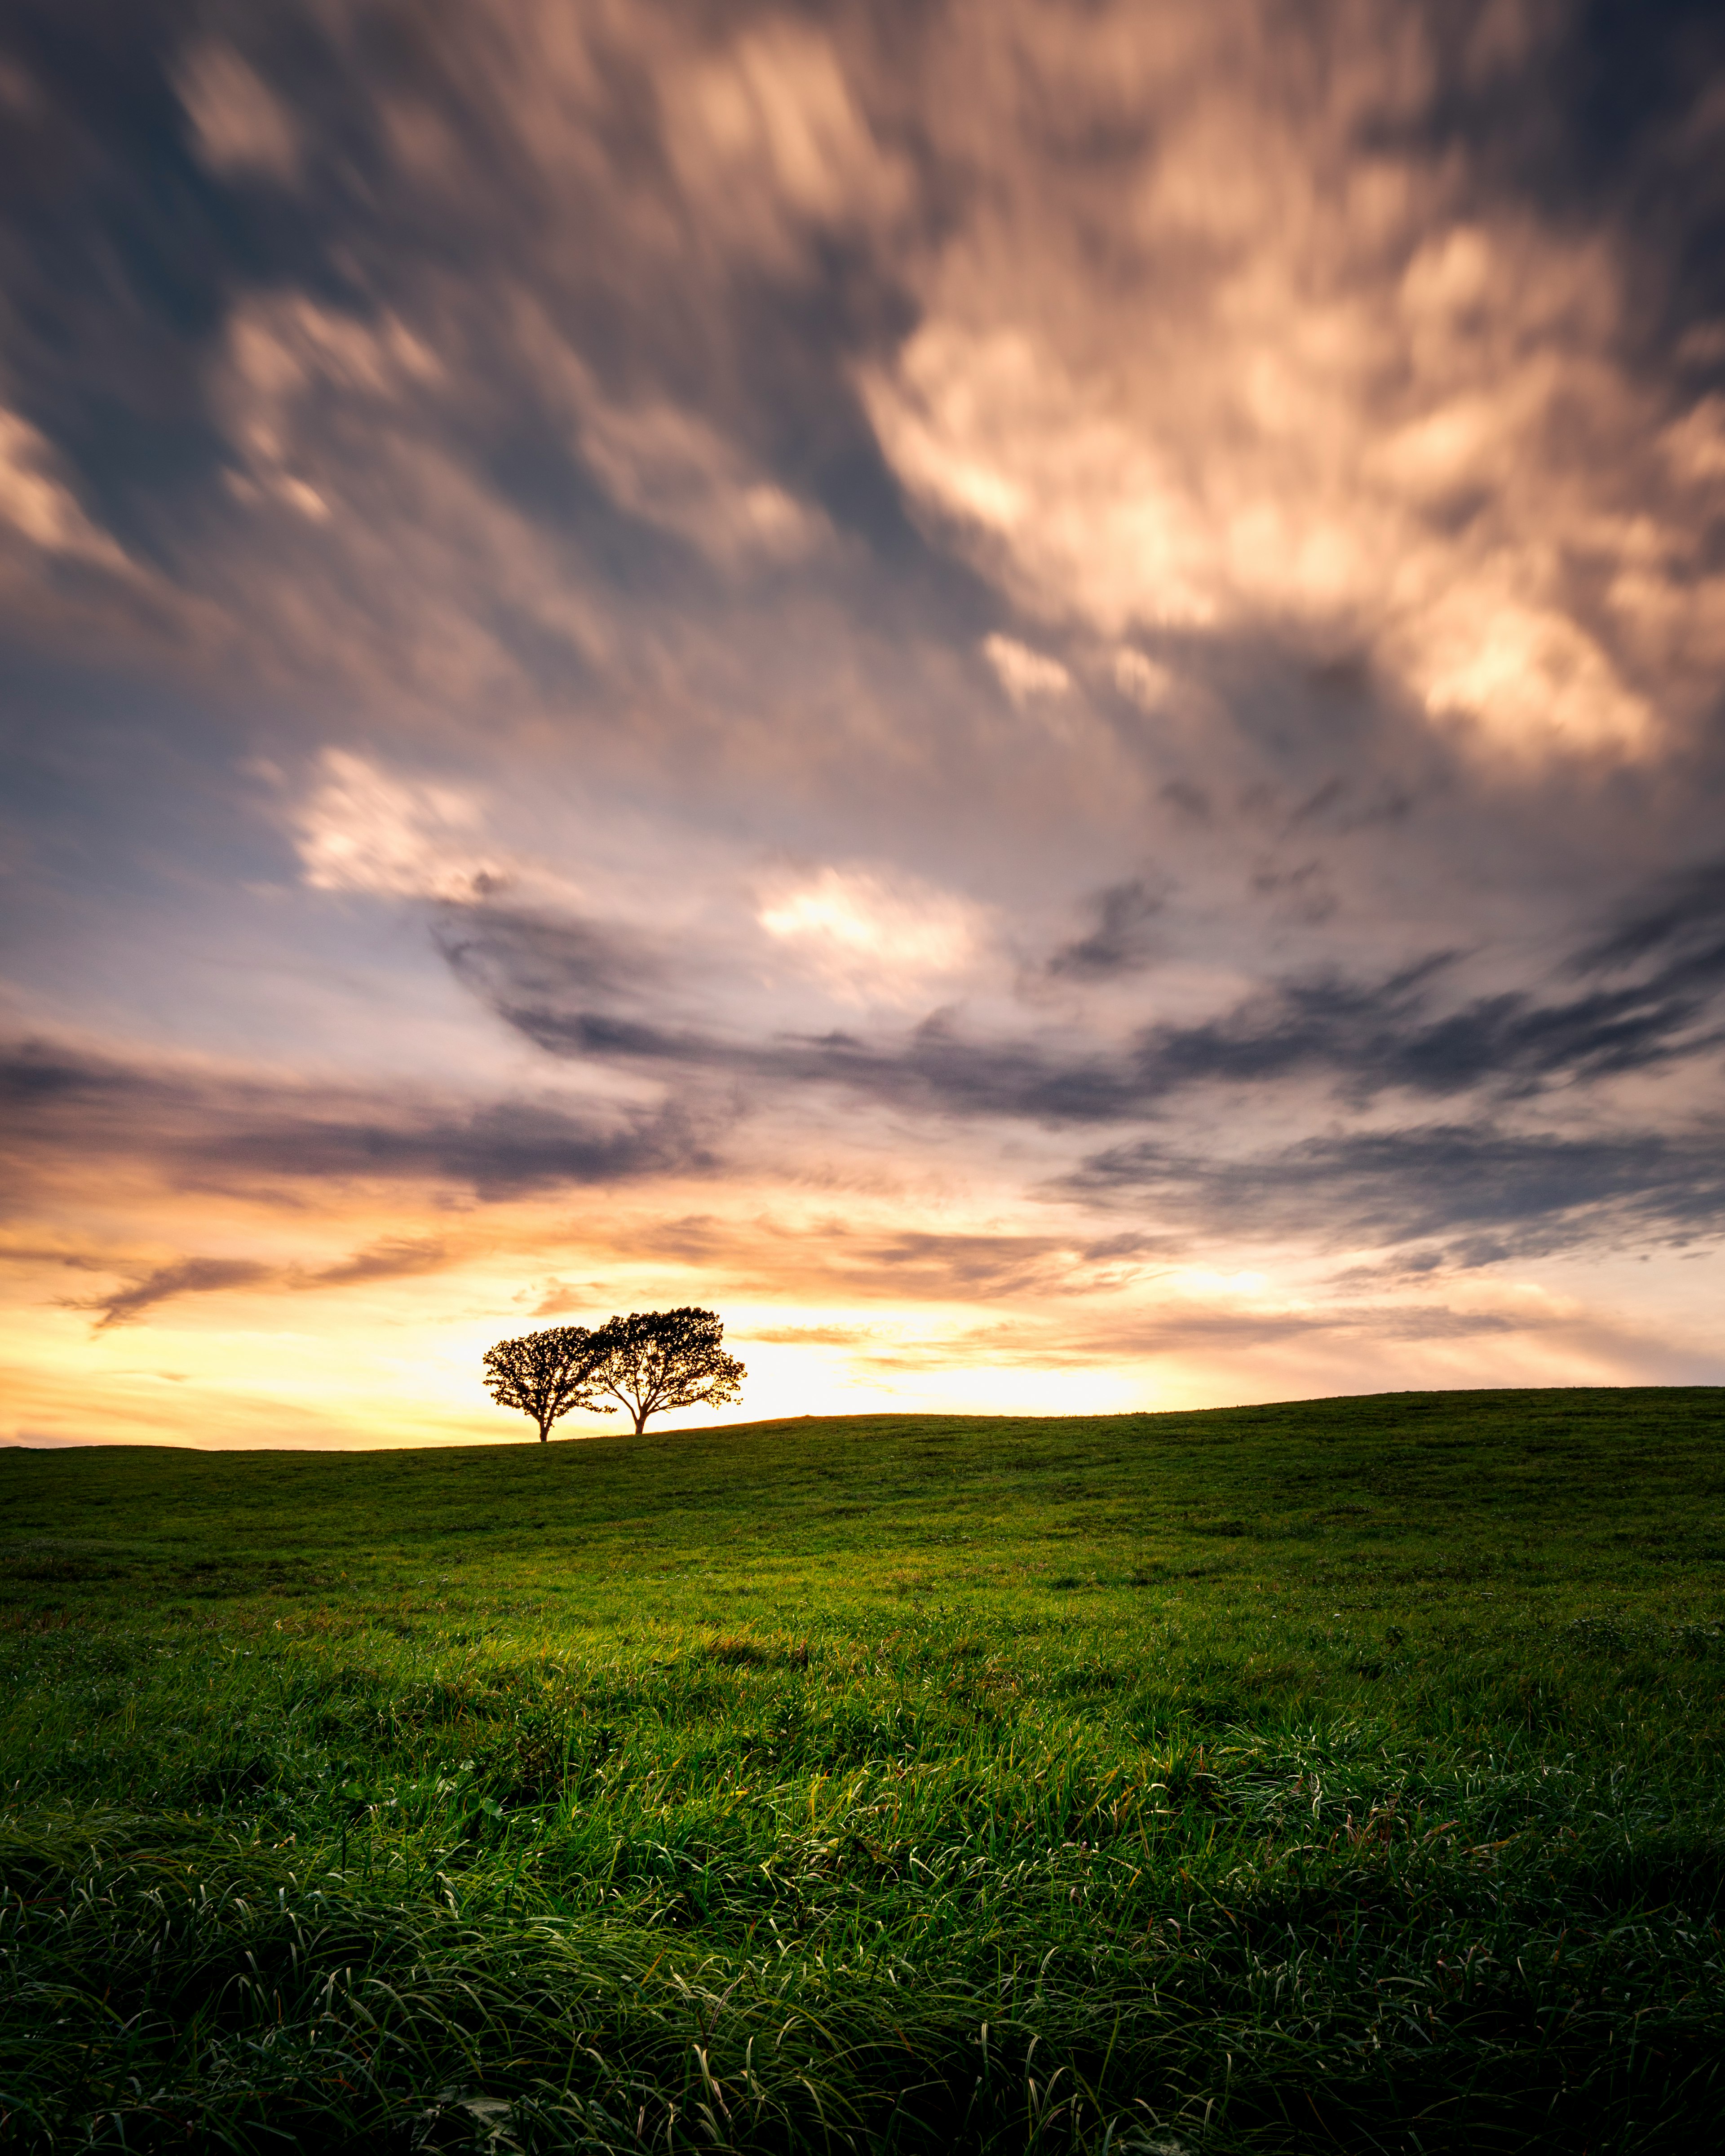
1028	694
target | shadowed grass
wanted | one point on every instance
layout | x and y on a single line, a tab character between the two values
1343	1774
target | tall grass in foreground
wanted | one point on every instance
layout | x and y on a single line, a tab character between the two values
1336	1776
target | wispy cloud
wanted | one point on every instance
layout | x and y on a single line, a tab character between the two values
1409	1031
195	1128
163	1283
398	1257
1467	1195
1121	941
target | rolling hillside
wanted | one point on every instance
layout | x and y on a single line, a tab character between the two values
1336	1774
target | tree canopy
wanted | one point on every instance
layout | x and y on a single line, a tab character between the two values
648	1361
544	1375
655	1360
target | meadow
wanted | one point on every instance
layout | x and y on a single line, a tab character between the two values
1334	1775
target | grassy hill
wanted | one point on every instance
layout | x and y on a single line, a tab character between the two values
1336	1774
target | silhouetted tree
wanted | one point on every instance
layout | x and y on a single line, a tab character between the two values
544	1375
661	1358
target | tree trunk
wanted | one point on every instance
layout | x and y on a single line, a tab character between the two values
641	1416
544	1431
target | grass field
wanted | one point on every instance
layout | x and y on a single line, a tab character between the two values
1335	1775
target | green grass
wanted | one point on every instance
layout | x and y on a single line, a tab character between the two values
1335	1775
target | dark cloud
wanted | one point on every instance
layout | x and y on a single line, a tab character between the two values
1377	1037
1680	924
498	952
201	1131
934	1069
503	1151
1471	1194
1363	1039
1121	941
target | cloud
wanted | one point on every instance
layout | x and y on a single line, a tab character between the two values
921	1264
872	932
361	828
238	125
394	1258
1363	1039
765	134
503	954
1248	342
35	501
1123	940
1178	1324
809	1335
205	1130
1682	918
499	1152
1333	388
933	1068
601	994
833	1259
1471	1194
285	354
1150	685
1375	1037
670	467
187	1276
1025	674
658	457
